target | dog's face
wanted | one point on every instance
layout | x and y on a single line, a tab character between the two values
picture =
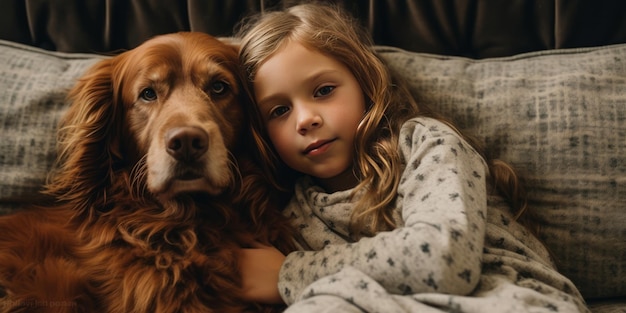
182	108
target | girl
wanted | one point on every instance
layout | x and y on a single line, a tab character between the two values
397	210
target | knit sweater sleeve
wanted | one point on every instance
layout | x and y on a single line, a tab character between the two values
438	245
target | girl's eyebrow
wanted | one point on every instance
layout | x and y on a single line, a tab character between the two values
321	73
266	100
315	76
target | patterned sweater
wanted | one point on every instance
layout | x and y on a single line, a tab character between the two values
456	248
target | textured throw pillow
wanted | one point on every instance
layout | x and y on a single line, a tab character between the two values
33	87
560	118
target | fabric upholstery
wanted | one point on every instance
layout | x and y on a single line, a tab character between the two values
471	28
559	116
33	87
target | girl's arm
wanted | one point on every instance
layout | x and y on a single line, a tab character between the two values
438	249
259	267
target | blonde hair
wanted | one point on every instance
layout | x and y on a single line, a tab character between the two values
332	32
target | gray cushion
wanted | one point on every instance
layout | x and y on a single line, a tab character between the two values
560	118
33	87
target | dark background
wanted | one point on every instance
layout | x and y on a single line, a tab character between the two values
471	28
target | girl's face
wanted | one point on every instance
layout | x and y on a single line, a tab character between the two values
311	105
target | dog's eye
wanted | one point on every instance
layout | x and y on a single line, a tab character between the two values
148	94
218	88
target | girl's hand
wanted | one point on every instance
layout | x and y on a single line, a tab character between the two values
259	267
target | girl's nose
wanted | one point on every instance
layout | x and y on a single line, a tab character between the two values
308	120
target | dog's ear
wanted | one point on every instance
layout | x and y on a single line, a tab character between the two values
88	138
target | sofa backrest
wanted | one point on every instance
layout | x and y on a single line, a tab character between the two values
470	28
558	116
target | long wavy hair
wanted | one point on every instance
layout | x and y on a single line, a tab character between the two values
378	166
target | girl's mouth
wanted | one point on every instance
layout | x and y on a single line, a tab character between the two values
318	147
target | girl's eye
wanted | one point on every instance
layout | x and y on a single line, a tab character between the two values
148	94
278	111
324	91
218	88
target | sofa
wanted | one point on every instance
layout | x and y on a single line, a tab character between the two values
541	82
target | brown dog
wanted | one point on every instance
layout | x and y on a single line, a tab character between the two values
152	194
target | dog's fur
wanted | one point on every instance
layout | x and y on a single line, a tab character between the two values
152	195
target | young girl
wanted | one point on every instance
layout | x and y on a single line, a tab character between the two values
397	210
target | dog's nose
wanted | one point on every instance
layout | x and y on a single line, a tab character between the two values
186	143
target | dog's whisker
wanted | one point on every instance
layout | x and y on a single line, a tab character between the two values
138	175
235	170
